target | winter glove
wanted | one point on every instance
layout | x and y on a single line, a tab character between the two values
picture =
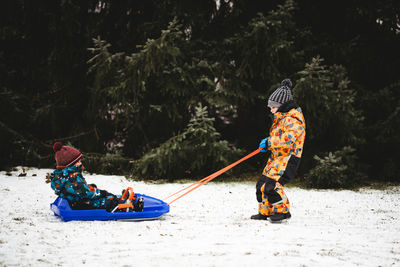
263	145
103	193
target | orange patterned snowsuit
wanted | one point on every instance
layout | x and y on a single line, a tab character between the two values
285	141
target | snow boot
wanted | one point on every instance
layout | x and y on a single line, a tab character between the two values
280	217
259	216
139	204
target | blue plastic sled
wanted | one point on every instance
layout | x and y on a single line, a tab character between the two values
153	209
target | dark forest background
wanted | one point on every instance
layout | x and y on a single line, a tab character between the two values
178	89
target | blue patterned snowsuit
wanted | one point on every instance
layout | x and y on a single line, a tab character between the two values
69	183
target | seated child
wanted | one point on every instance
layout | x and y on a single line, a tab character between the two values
67	182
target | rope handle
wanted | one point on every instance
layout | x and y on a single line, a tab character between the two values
212	176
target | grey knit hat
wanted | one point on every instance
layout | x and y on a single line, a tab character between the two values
281	95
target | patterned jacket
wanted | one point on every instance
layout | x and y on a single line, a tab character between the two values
285	141
69	183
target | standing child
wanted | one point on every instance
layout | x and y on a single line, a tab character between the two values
67	182
285	143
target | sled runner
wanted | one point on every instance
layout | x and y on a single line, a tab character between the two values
153	209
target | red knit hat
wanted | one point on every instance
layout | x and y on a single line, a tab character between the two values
65	155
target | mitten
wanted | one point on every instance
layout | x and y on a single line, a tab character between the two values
263	145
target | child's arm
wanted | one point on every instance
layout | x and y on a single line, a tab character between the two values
77	186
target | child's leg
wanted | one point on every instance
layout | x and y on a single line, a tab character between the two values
111	203
282	206
260	183
274	198
264	207
262	202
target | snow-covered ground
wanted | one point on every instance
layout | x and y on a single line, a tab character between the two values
209	227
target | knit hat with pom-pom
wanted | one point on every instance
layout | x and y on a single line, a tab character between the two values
281	95
65	156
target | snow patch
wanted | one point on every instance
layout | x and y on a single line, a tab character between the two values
209	227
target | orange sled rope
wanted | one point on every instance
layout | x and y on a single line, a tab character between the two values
212	176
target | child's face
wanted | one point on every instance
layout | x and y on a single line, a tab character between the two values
79	163
274	110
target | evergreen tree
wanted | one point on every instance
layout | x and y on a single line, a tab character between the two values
195	152
335	170
328	104
153	61
382	133
327	101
